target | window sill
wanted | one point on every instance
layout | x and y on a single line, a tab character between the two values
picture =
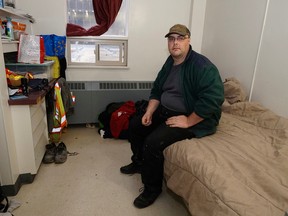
95	67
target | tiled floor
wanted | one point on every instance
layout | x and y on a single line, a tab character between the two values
90	183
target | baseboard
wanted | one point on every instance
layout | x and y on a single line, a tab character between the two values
12	190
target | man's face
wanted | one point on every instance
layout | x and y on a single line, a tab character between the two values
178	45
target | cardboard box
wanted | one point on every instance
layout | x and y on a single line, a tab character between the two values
17	26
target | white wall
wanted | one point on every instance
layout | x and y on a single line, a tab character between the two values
232	39
271	78
50	15
149	21
198	9
231	36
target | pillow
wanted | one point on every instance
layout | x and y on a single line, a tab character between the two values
233	91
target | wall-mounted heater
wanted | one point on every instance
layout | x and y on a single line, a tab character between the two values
93	97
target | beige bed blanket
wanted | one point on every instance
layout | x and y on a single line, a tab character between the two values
240	170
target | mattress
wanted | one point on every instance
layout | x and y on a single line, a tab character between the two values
242	169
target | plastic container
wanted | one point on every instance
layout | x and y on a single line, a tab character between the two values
1	3
9	28
41	71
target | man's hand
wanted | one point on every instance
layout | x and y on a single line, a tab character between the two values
147	119
183	121
152	106
180	121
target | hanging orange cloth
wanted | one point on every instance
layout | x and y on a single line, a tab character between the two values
59	118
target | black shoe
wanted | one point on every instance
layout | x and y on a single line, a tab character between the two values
50	152
146	198
130	169
61	153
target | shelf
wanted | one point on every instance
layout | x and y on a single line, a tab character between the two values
9	46
34	96
14	14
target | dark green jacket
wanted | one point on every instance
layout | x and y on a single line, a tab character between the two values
202	89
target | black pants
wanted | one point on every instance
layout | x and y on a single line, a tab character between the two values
148	143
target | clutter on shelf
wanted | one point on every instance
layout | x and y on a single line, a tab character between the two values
11	29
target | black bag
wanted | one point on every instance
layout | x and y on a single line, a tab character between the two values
105	117
4	204
37	83
141	107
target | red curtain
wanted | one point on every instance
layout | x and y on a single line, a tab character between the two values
105	14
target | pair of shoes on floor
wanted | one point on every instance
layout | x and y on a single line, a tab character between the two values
146	198
131	168
55	154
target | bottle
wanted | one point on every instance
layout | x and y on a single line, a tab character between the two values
3	26
9	28
24	85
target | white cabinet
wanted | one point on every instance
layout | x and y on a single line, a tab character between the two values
31	135
24	132
9	46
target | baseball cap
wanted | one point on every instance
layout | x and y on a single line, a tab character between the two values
179	29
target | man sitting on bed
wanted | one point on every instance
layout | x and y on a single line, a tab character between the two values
185	102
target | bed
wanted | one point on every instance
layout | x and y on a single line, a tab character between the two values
242	169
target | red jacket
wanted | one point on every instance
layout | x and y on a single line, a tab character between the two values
120	118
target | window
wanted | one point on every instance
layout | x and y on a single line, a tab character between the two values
89	51
109	49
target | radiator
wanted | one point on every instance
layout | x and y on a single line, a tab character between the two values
93	97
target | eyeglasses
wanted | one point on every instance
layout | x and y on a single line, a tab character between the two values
179	38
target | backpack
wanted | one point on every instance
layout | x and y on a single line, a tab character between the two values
113	125
105	117
119	121
4	204
38	83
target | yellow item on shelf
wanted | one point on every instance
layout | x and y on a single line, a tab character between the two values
14	78
56	66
